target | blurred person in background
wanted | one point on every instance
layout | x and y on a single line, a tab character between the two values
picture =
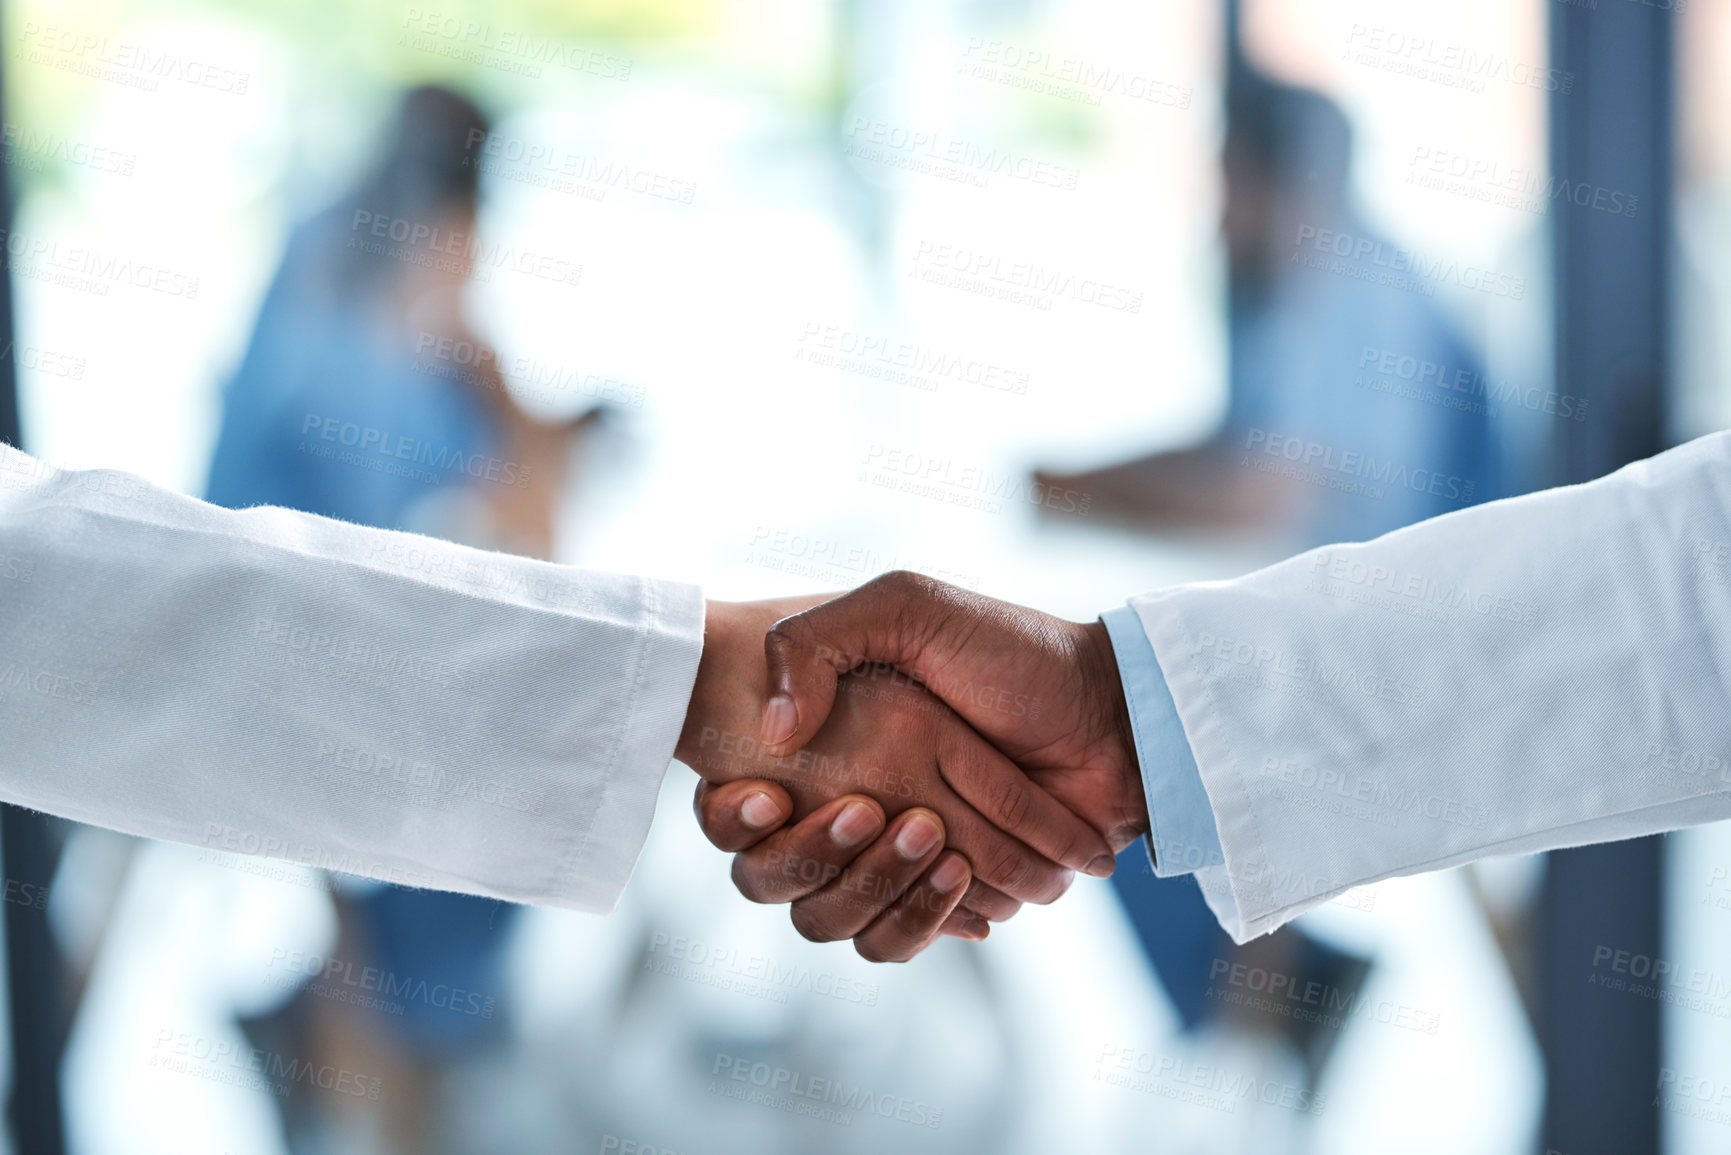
340	407
1304	349
1307	353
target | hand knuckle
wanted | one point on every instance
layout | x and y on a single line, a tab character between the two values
875	952
751	881
812	923
1013	870
1011	803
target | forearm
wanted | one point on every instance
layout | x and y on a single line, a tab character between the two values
273	683
1502	680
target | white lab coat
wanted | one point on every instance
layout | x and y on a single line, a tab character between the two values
1547	671
273	683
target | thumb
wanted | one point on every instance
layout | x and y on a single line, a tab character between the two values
884	620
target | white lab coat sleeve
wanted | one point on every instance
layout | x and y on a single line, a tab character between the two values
265	682
1548	671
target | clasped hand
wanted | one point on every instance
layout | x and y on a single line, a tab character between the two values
909	759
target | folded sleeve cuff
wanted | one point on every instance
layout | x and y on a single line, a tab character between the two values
603	858
1181	834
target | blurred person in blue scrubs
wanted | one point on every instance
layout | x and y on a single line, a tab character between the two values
1343	371
1355	407
350	403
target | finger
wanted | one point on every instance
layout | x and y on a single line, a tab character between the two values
912	924
885	620
875	880
999	790
812	853
980	904
740	814
999	860
988	902
965	924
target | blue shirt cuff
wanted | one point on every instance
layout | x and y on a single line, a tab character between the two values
1182	838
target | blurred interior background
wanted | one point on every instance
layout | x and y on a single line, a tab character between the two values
774	296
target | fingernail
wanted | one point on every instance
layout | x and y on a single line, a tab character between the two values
950	873
1102	866
976	929
918	838
780	720
759	810
856	823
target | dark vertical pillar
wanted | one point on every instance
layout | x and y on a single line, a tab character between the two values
27	855
1613	130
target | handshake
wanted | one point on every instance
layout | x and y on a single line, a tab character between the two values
909	759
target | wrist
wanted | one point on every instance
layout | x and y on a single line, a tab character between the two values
702	737
724	720
1115	735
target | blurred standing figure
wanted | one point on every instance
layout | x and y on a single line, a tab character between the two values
339	409
1304	348
340	406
